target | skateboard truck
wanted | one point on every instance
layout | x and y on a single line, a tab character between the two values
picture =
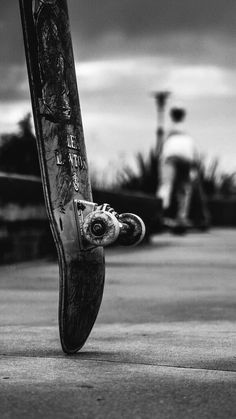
101	225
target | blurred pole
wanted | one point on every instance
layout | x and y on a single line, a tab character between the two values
161	100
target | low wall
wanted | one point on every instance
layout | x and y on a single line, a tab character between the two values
223	212
24	228
25	240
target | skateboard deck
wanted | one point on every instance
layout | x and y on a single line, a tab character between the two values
63	162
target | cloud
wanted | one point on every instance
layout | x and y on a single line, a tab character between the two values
11	113
138	23
11	39
125	49
201	81
13	82
133	75
120	117
133	17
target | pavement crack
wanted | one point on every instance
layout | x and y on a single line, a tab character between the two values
113	361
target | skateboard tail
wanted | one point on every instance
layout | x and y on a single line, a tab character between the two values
79	315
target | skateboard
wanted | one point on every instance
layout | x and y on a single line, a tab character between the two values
80	227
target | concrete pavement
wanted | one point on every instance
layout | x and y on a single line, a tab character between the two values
164	344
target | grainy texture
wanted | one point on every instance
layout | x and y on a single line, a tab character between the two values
63	162
163	346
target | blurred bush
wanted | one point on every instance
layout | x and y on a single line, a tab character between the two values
145	179
215	182
18	151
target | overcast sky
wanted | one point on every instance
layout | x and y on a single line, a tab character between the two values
125	49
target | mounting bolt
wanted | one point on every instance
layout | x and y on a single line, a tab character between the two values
98	229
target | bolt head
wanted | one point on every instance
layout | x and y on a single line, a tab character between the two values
98	228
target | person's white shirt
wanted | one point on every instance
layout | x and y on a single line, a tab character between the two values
179	144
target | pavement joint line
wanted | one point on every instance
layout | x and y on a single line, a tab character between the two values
72	357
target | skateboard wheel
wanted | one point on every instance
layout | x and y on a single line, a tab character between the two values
132	230
101	228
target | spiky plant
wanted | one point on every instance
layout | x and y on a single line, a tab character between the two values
210	176
145	179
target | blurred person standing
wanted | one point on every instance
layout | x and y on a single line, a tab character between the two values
180	177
